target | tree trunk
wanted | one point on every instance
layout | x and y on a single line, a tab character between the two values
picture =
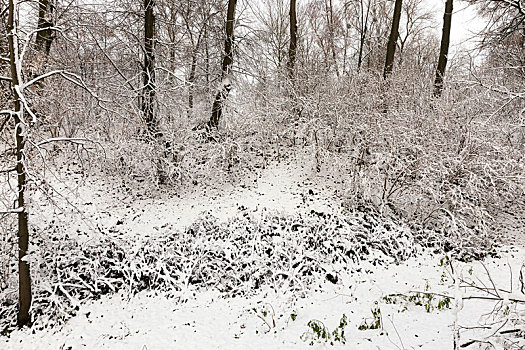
193	73
191	81
224	89
363	33
330	20
45	35
207	53
443	52
24	277
292	51
391	47
148	70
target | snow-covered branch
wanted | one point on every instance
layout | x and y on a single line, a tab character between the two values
26	104
12	211
41	77
28	39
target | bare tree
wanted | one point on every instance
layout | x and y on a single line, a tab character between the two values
443	52
273	34
225	87
331	33
24	276
367	25
503	38
417	21
363	29
197	18
319	41
292	51
148	69
505	17
392	40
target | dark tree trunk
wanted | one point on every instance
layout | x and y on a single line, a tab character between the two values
148	70
292	51
45	35
193	73
391	47
24	276
191	81
443	52
364	32
224	89
330	14
207	53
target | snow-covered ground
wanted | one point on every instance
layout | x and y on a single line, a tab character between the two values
266	320
281	188
273	318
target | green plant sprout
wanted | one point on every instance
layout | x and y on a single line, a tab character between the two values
319	333
375	322
428	300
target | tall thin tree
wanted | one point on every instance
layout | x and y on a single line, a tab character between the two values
148	69
227	61
24	277
292	51
331	33
363	30
392	40
443	51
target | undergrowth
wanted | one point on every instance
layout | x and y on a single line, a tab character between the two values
237	258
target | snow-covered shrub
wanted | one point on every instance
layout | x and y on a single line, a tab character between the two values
236	258
451	167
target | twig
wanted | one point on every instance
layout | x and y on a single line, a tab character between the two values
9	113
490	278
397	333
262	318
62	139
2	171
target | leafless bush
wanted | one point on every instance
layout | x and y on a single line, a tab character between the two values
451	165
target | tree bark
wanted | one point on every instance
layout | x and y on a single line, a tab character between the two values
148	69
363	32
224	89
45	35
331	30
207	53
391	47
24	276
191	81
443	51
193	72
292	51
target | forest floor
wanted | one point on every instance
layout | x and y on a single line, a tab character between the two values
410	305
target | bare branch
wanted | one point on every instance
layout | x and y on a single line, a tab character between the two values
77	140
5	120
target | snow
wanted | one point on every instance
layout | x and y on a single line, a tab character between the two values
193	319
281	189
206	320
